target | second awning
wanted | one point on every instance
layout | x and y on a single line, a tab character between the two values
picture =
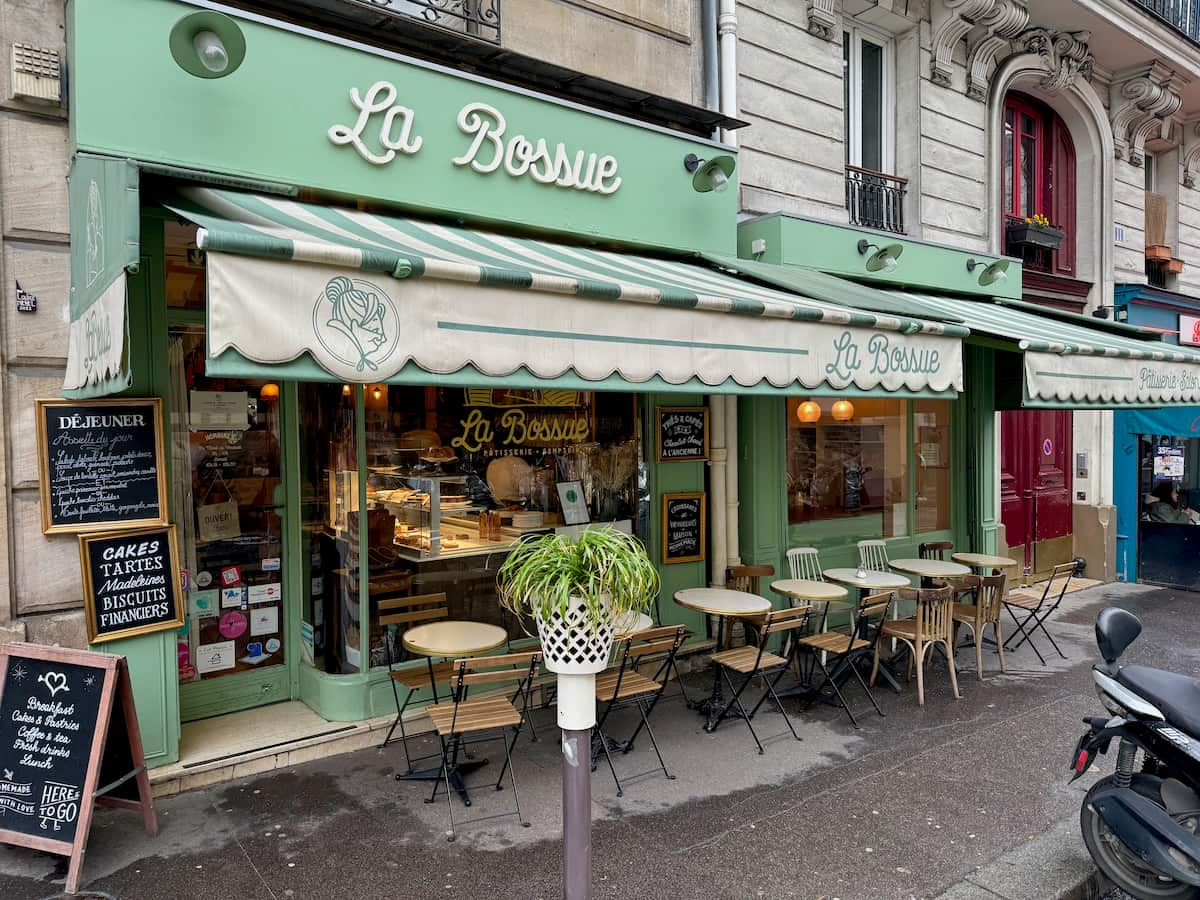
366	296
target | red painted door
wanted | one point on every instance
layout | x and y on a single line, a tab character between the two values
1035	490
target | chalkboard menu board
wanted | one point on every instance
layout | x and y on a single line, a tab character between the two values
130	582
684	525
682	433
100	464
58	734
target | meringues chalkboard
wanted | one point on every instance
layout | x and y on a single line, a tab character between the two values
131	582
101	464
69	741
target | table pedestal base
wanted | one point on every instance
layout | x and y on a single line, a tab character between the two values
456	773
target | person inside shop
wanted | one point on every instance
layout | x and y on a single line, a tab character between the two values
1165	506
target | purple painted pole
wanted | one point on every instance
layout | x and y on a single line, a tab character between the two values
577	814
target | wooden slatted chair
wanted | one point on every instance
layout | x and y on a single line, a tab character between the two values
805	563
1039	609
845	645
930	626
985	611
747	579
395	615
623	685
465	721
759	662
873	555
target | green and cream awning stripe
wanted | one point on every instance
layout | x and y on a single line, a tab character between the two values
1068	363
366	294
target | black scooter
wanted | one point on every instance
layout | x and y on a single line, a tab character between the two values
1142	826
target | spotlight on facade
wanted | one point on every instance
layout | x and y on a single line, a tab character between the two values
993	273
207	44
710	174
843	410
883	259
808	412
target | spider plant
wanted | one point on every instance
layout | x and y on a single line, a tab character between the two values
605	570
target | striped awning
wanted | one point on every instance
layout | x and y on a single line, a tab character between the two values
1074	364
366	297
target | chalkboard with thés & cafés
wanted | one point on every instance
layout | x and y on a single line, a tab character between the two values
100	464
682	433
69	740
684	524
130	582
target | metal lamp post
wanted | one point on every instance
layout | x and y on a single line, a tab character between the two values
576	717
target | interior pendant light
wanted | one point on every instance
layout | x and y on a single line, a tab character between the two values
269	391
808	412
843	410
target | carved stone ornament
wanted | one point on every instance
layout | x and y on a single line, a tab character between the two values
1003	22
1065	55
951	20
822	20
1190	160
1144	100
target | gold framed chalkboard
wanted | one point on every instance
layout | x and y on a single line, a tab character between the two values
684	527
131	582
101	464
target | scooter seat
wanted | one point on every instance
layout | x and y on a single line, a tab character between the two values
1178	696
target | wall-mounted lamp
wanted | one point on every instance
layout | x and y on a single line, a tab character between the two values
808	412
710	174
207	44
843	410
994	273
883	259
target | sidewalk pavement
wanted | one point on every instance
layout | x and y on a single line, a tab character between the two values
966	799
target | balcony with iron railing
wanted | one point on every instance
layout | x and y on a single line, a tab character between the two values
474	18
875	200
1182	15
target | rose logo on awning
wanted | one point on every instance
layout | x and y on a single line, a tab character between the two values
356	323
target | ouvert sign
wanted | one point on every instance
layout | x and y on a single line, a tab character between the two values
319	112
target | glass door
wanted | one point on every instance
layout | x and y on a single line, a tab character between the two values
228	501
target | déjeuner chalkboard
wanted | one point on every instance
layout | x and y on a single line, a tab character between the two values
132	583
682	433
101	463
683	528
48	714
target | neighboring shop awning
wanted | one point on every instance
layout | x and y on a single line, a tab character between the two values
1074	365
103	196
367	296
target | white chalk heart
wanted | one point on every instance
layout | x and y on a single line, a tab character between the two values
55	682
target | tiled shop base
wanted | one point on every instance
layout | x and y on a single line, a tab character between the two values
258	740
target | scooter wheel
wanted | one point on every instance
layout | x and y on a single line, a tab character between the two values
1120	864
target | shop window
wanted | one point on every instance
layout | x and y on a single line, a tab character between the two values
184	266
227	501
855	468
450	479
1038	179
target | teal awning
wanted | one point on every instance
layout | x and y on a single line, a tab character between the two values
370	297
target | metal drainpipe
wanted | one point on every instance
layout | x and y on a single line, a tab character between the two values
718	485
727	37
708	36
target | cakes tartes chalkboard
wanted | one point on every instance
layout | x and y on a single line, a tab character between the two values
130	582
100	464
682	433
684	527
69	740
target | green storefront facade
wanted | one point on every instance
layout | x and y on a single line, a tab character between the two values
505	267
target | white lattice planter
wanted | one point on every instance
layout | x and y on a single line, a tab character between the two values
575	650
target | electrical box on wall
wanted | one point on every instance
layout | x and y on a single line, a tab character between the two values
1081	466
36	74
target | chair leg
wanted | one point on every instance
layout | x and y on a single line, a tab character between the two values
1024	635
737	698
611	767
653	742
999	643
836	690
512	779
779	703
919	653
866	690
954	673
1041	623
977	633
875	665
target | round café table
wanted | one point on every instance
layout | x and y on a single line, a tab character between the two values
870	580
632	624
984	560
722	603
929	568
454	639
